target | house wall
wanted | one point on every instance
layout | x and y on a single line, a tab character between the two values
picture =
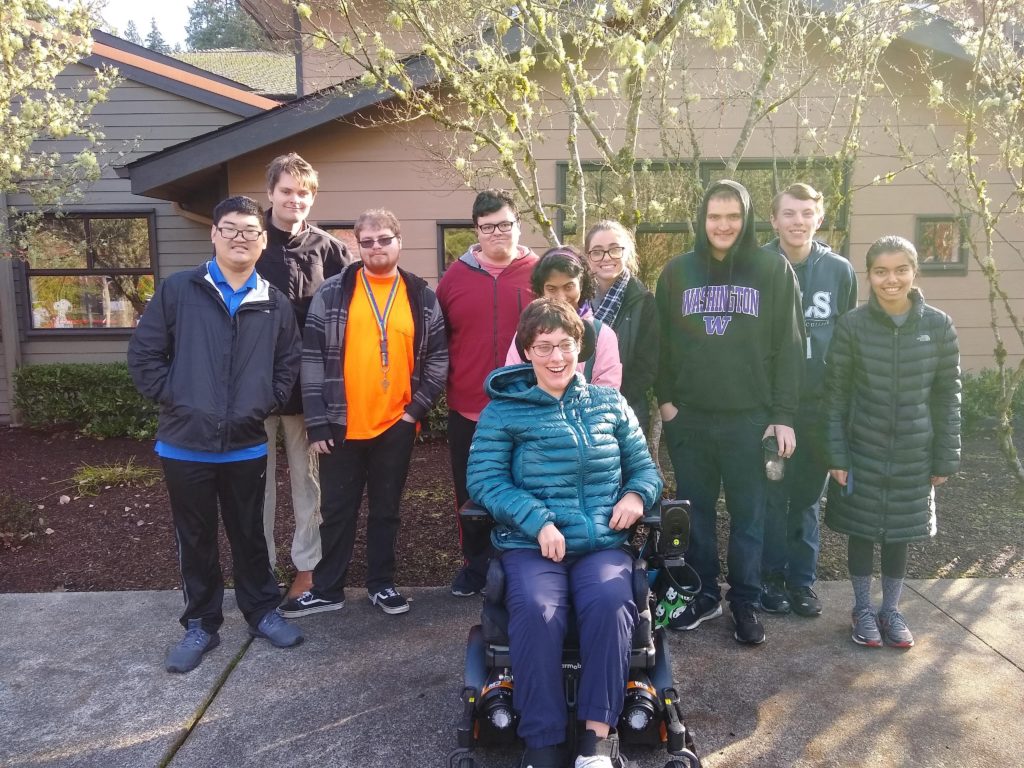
391	166
136	120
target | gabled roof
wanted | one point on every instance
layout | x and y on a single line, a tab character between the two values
268	73
168	74
181	172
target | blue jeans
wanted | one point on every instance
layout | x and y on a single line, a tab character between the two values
539	594
710	450
791	529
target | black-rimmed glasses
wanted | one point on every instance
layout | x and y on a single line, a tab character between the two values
501	226
544	349
597	254
230	233
383	242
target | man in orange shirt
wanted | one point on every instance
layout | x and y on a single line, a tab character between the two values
374	360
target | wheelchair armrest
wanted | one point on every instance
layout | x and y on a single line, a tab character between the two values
473	515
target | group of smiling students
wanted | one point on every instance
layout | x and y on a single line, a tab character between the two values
740	343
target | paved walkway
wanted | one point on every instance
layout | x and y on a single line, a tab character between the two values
82	684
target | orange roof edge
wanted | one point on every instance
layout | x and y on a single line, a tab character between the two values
131	59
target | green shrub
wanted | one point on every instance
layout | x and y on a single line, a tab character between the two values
436	423
98	399
981	393
18	518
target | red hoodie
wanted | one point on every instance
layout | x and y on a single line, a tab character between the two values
481	314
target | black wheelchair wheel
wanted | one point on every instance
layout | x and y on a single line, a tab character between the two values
687	761
466	762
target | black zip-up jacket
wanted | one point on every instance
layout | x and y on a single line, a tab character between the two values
215	377
636	329
297	265
732	331
892	414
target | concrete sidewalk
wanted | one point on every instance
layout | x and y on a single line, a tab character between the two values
82	684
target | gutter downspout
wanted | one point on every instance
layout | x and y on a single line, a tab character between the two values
8	310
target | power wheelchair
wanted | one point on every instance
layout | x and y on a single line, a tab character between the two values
652	714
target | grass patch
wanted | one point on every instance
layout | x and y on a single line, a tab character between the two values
90	480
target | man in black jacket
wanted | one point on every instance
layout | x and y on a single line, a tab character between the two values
732	342
218	349
297	259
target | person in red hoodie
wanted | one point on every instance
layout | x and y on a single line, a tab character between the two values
481	295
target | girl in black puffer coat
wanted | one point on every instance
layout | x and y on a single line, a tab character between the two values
892	429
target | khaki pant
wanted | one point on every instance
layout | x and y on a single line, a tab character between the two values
305	491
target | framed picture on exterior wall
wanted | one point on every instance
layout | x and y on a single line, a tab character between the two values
942	244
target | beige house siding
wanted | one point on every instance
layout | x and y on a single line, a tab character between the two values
363	168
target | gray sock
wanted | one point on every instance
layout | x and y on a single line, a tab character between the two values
861	593
891	591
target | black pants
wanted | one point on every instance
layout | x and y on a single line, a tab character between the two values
475	541
196	489
380	465
860	557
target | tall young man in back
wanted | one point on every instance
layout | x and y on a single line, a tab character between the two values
482	295
828	286
729	374
296	261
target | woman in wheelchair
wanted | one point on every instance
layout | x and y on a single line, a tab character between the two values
564	469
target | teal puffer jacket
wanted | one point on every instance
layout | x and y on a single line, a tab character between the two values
535	460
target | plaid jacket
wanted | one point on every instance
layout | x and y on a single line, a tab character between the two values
323	350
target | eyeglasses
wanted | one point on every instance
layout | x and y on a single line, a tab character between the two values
597	254
231	233
383	242
544	349
501	226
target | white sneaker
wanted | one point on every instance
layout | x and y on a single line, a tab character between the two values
594	761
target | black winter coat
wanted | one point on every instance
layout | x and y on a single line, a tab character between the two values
297	265
892	419
636	329
215	377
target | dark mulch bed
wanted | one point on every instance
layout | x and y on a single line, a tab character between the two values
122	538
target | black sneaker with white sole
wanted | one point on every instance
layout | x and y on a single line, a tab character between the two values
307	603
389	600
749	629
700	609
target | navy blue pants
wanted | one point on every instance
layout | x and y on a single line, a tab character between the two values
791	528
710	450
475	541
538	594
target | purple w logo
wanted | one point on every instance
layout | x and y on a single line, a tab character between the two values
715	325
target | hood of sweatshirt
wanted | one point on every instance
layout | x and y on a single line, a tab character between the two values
471	258
747	240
